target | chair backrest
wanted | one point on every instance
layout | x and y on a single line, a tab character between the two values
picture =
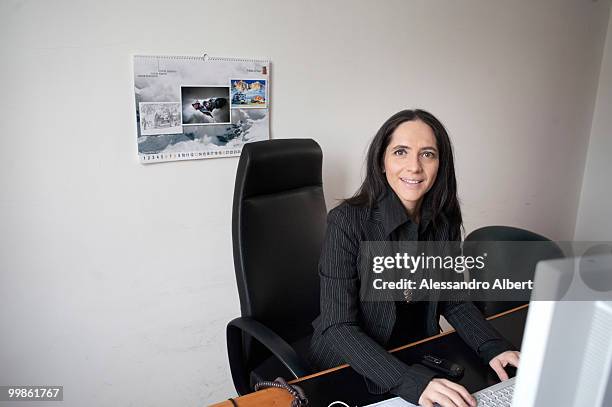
278	226
517	260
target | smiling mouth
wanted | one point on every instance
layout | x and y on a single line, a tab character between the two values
411	181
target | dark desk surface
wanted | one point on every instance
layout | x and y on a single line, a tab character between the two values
346	385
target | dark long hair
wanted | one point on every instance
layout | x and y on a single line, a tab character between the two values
440	201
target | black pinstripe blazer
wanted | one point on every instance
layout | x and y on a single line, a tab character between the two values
355	332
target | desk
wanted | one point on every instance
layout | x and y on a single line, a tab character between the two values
344	384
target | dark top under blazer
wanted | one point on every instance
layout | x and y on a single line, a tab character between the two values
355	332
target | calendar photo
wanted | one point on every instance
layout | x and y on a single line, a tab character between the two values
184	107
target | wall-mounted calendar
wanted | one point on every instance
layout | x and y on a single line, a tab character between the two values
199	107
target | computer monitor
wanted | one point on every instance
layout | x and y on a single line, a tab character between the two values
566	354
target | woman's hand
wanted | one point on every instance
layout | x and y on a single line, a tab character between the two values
446	394
502	360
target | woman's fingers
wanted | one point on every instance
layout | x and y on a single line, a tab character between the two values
426	403
446	394
462	391
449	394
444	391
514	358
443	400
502	360
496	364
454	397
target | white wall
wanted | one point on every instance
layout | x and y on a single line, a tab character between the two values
116	279
594	220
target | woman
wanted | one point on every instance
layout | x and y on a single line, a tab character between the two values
409	193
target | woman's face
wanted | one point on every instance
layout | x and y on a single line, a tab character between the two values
411	162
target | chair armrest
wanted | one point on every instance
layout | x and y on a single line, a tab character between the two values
268	338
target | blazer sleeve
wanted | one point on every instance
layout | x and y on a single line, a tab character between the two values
475	330
341	326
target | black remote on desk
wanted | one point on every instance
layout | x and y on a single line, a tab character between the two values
446	367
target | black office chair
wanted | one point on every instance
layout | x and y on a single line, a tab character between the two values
278	226
518	261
